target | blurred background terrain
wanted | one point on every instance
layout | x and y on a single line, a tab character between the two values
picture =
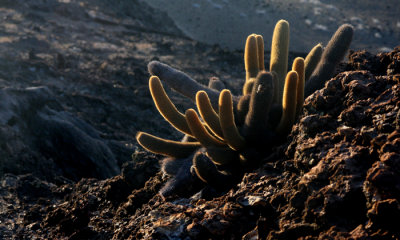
229	22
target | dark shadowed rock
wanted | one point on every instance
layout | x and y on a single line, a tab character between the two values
34	122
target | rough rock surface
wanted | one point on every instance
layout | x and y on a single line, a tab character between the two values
38	136
337	175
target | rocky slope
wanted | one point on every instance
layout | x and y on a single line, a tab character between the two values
73	85
336	177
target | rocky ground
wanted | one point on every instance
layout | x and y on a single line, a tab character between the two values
73	90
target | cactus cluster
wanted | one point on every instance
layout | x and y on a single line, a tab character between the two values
232	133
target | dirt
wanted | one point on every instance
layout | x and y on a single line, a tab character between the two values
336	177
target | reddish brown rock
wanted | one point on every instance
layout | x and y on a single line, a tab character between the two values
336	177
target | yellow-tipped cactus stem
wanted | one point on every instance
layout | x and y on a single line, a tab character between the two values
312	60
334	52
298	66
166	107
219	152
280	53
181	82
199	131
221	155
260	51
242	108
248	86
253	60
261	99
231	133
166	147
251	57
207	171
277	94
208	114
288	104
